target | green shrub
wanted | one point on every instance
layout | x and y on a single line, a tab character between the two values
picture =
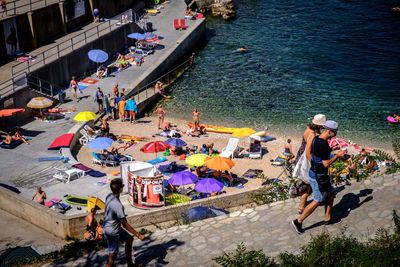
243	257
325	250
273	192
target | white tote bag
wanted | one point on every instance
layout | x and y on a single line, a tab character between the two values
302	168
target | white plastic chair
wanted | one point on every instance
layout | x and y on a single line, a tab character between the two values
230	148
85	138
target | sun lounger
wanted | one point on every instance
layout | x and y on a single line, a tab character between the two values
65	174
85	138
229	150
176	24
255	151
183	24
96	159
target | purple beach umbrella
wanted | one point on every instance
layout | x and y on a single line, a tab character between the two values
208	185
176	142
183	178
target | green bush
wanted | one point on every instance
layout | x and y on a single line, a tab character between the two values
273	192
243	257
326	250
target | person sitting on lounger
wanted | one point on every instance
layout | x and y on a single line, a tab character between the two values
101	72
288	151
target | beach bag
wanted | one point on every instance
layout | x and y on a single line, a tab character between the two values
302	168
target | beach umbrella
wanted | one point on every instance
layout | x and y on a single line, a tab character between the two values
151	37
337	143
10	112
96	203
85	116
40	102
208	185
176	142
219	163
183	178
243	132
98	56
100	143
196	160
154	147
137	36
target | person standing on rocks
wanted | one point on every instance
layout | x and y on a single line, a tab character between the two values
318	152
115	226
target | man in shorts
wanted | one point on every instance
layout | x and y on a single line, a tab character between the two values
116	227
319	153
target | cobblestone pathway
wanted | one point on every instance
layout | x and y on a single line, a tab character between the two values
362	207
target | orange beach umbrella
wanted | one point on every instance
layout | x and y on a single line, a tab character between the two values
219	163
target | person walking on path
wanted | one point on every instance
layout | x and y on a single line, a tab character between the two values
301	163
115	226
318	152
121	107
161	116
196	119
41	196
132	109
74	86
100	100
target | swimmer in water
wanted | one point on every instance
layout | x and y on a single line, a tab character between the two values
242	49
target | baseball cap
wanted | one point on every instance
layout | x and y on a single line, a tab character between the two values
319	119
331	125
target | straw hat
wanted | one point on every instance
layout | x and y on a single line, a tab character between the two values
319	119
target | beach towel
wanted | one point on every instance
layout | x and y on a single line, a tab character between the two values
13	144
89	80
278	162
96	174
82	86
252	173
51	202
157	160
82	167
41	159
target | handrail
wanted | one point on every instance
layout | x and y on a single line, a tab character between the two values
164	78
53	53
24	6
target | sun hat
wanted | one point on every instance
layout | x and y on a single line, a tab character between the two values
331	125
319	119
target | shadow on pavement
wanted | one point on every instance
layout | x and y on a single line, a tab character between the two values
146	253
350	202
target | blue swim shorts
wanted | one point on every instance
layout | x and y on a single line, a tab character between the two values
113	241
318	196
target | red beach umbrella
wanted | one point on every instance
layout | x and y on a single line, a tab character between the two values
154	147
337	143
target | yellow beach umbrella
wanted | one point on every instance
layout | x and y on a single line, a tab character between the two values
40	102
94	202
219	163
196	160
242	132
85	116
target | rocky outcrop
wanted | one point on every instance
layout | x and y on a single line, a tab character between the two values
219	8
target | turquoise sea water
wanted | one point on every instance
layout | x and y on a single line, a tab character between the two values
340	58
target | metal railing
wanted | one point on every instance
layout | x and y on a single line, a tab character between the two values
17	7
148	90
43	86
62	49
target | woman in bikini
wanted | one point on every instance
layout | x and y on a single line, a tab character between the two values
73	85
196	118
161	115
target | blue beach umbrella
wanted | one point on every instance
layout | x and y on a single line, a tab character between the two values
183	178
100	143
176	142
98	56
137	36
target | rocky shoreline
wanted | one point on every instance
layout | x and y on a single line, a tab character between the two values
218	8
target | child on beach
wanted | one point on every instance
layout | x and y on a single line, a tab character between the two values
121	107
